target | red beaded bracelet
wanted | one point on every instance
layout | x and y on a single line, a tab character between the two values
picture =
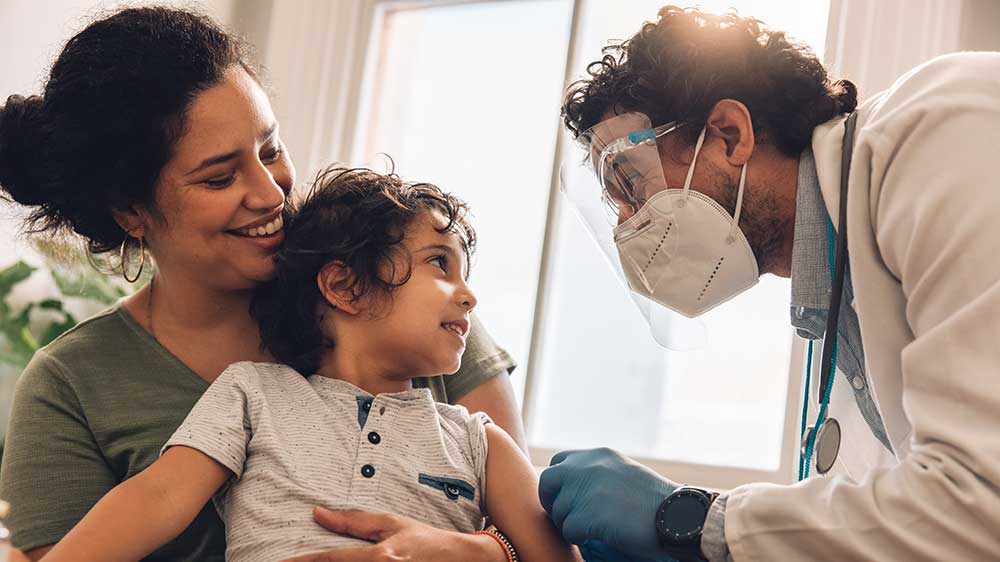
503	541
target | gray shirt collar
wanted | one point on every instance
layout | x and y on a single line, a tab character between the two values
336	386
810	260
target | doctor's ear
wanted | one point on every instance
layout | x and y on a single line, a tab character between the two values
335	282
730	121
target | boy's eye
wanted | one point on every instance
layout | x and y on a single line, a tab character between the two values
441	261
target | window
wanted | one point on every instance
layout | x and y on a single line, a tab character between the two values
466	95
463	97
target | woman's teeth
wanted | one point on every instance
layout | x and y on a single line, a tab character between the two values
453	328
263	230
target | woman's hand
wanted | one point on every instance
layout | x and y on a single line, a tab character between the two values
400	539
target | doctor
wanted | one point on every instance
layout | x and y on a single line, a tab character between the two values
721	147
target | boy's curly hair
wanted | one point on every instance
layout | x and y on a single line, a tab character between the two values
679	67
355	216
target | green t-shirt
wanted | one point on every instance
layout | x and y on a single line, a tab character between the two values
93	408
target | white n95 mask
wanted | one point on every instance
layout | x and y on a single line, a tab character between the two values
680	248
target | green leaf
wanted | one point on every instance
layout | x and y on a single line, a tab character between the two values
28	340
22	319
12	275
56	329
9	277
51	304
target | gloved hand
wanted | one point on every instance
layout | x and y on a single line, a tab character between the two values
597	551
601	495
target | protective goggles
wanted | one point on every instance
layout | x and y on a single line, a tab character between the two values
610	190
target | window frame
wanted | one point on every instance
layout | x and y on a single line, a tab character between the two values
719	477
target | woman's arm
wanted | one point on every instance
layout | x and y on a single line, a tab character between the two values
144	512
512	502
53	470
495	397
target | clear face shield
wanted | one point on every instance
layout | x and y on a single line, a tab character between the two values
622	198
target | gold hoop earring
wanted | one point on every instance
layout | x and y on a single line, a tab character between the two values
142	259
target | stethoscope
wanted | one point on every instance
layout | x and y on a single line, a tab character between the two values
822	440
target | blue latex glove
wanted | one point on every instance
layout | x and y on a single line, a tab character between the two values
601	495
597	551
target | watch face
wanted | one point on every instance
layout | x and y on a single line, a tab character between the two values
681	517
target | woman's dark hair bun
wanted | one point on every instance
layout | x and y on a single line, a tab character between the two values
846	94
22	119
110	113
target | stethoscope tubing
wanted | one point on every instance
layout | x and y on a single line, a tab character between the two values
838	257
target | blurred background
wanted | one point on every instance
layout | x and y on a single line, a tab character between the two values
466	94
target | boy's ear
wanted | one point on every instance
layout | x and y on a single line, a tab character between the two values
334	282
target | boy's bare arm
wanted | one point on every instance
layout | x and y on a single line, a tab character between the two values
512	503
144	512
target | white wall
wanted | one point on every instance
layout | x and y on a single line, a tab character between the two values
874	42
980	19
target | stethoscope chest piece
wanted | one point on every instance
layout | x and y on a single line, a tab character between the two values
827	445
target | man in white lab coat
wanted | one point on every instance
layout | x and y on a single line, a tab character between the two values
917	388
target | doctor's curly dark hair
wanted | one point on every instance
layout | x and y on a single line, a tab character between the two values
678	67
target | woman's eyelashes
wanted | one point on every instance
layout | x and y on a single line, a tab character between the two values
221	181
270	156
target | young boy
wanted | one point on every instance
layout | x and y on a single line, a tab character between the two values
370	293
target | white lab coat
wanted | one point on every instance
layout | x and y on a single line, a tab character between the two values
924	243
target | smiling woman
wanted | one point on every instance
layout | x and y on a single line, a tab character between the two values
154	135
205	207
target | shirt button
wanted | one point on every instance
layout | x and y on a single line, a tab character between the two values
451	491
374	438
858	383
367	471
368	405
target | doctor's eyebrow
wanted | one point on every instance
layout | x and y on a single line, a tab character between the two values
219	159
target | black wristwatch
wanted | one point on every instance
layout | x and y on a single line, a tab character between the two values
680	520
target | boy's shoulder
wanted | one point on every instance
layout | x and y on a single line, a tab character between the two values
453	412
459	422
258	374
468	430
